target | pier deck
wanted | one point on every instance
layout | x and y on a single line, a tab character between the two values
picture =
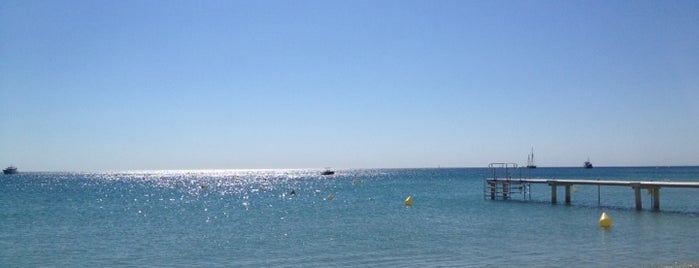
652	186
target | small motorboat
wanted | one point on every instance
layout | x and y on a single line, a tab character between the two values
587	164
327	172
10	170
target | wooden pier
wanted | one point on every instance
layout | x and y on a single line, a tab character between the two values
501	187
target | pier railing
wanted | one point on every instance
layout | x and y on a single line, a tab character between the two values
504	181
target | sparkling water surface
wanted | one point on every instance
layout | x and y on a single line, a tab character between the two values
234	218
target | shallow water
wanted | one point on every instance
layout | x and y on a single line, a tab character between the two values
235	218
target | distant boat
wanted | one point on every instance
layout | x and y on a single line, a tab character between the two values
10	170
587	164
530	160
327	172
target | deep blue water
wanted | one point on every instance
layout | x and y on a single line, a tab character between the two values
250	218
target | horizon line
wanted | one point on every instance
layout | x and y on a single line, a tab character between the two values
316	168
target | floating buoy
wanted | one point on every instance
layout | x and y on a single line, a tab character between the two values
330	197
355	181
409	201
202	186
260	189
605	221
177	184
293	192
575	189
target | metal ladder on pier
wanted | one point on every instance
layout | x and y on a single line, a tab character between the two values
504	182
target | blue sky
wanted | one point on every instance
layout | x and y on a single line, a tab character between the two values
120	85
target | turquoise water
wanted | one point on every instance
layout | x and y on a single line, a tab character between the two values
250	218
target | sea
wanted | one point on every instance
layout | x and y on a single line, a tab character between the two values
354	218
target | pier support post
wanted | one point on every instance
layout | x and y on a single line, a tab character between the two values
553	192
637	193
567	193
656	198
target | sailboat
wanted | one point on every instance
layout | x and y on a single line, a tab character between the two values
530	160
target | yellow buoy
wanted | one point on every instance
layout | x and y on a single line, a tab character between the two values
330	197
575	189
409	201
605	221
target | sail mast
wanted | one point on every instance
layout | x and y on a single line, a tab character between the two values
530	159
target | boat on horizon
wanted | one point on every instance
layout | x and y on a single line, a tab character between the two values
530	160
327	171
587	163
10	170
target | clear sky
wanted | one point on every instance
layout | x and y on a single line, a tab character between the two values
121	85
